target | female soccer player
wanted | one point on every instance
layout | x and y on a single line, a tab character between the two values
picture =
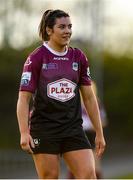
53	75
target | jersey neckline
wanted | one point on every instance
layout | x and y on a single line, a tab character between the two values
55	52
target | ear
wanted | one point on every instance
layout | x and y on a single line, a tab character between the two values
49	31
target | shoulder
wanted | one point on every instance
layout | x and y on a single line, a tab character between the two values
35	57
37	52
78	54
77	51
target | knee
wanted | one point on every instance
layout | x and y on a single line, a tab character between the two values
49	174
91	174
86	174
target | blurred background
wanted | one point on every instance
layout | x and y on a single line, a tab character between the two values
103	30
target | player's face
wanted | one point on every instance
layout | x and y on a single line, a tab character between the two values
61	32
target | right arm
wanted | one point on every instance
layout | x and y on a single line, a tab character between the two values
28	85
26	141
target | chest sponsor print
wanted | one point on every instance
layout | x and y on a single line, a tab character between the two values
61	90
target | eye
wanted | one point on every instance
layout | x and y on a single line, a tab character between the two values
70	26
62	26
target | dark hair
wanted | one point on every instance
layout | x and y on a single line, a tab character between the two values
48	20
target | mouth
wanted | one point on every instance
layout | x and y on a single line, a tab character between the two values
66	37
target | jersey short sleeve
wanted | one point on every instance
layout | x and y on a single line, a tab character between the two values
31	73
85	78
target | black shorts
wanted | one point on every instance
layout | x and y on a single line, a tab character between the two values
91	137
60	145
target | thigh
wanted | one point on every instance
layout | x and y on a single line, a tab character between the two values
45	163
80	161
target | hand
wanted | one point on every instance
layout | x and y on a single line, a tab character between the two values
100	145
26	142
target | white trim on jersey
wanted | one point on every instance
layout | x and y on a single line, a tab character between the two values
55	52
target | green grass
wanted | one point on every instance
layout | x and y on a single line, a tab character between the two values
128	176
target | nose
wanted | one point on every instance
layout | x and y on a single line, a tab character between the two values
68	29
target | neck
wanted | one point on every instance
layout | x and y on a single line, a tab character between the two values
57	47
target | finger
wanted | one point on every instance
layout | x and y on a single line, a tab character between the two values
23	144
29	150
26	148
32	143
97	150
100	151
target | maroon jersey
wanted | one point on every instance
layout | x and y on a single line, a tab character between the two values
54	79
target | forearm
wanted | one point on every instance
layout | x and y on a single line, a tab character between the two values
93	112
92	108
23	114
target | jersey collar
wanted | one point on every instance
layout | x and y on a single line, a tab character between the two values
55	52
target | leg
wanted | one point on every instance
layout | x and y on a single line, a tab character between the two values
91	136
47	165
81	163
99	174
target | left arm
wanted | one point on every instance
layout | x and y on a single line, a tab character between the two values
92	108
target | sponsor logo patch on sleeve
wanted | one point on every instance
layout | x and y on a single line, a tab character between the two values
26	77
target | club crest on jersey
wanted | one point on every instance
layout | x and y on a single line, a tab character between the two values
26	77
75	66
61	90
